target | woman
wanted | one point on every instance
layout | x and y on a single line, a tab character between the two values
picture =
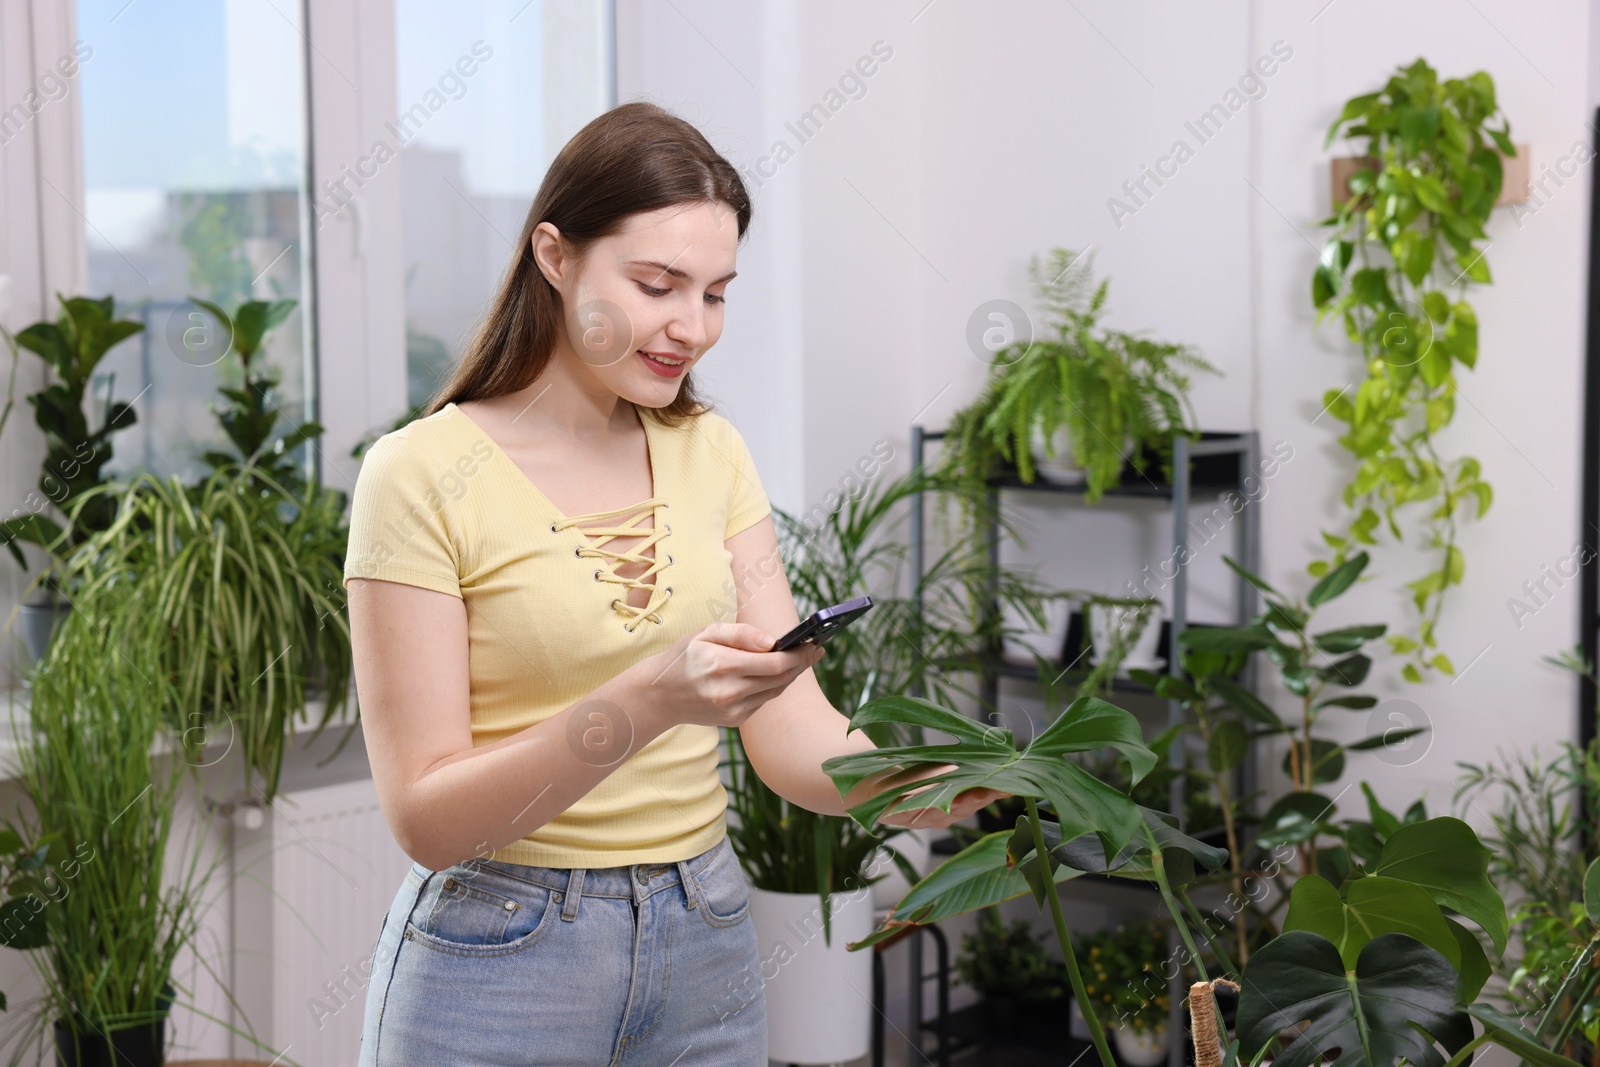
563	579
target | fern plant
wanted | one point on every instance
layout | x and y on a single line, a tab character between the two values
1120	397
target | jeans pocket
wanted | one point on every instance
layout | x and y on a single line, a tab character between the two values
474	919
724	890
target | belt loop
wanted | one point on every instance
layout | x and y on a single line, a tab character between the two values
691	888
569	906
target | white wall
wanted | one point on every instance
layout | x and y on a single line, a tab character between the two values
996	131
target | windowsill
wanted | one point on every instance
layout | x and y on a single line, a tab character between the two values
15	701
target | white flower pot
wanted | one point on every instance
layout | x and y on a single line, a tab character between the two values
1140	1050
1104	619
819	996
1030	640
1061	468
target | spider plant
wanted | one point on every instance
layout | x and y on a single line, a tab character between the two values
241	572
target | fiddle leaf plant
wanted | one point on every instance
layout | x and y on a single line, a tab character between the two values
1404	249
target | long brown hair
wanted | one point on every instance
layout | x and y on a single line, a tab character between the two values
636	157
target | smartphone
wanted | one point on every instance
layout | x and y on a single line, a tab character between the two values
822	625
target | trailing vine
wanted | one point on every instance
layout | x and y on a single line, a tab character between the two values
1411	229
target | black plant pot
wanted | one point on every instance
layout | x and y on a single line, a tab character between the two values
79	1044
138	1046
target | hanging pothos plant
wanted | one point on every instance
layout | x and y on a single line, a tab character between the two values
1396	269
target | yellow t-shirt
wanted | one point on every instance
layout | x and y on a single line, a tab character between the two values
439	505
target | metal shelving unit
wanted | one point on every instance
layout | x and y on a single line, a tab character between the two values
1238	455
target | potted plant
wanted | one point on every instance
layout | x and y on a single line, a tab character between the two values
1007	965
1112	398
1413	230
1390	930
810	869
239	633
73	347
1120	972
103	770
1123	629
1543	850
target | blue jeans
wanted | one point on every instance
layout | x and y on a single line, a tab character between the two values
502	963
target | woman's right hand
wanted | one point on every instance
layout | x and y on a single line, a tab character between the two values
720	675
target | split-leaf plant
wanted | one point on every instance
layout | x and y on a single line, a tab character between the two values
1378	964
1405	246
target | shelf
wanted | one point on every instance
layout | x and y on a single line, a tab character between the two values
1218	465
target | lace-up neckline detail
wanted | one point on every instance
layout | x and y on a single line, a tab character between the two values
601	534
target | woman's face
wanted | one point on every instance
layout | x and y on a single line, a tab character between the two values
656	287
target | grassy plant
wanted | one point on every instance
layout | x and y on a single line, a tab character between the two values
244	578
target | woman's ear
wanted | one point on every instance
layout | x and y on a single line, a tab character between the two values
549	253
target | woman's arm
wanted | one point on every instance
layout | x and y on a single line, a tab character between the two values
445	800
790	736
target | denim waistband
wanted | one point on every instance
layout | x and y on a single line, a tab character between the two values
632	882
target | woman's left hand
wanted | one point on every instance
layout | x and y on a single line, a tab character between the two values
963	805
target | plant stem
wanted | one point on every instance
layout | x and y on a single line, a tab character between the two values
1578	984
1205	932
1467	1050
1042	857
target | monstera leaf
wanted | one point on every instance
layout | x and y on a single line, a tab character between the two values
1182	855
974	878
1399	1002
1446	858
986	757
1368	908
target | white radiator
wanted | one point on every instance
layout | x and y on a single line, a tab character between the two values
311	889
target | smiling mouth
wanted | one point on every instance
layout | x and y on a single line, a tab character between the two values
663	360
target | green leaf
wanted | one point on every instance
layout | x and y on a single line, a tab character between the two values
1227	745
1383	820
974	878
1397	1003
1337	580
1370	908
1296	817
1254	580
1445	857
1591	892
1226	638
1348	638
1327	759
1383	740
1475	969
988	759
1509	1034
1352	670
1182	855
1352	701
1245	702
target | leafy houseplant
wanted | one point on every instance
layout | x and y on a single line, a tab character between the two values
1317	667
251	417
1008	966
1542	855
1362	961
1116	395
239	571
1119	973
73	347
1406	237
830	559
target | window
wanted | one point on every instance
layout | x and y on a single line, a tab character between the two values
194	178
486	98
